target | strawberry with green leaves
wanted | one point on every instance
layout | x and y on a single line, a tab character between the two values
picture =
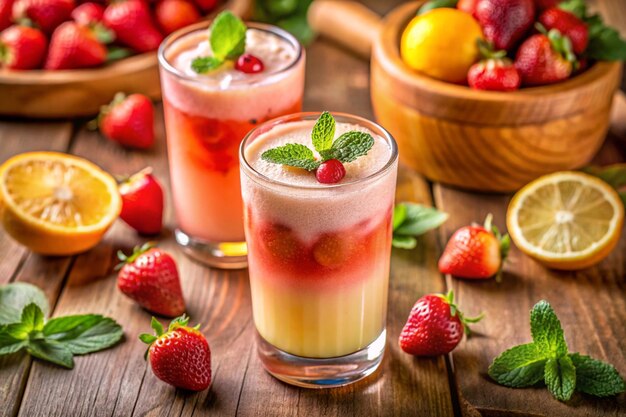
128	120
475	252
179	356
74	46
568	25
22	48
333	153
547	359
494	72
435	326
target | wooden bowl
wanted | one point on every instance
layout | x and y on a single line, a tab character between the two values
70	93
481	140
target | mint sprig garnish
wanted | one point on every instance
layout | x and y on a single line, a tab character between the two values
547	360
56	340
227	40
346	148
411	220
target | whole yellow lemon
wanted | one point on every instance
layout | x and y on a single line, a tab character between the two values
441	43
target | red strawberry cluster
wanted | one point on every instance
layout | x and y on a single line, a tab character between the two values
73	34
529	43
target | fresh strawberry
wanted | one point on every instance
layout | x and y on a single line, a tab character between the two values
6	13
142	202
88	13
330	172
181	356
435	326
546	4
545	59
149	276
22	48
206	5
468	6
475	252
133	25
172	15
128	120
45	14
569	25
75	46
505	22
494	72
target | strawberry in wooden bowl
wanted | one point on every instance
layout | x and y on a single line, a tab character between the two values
78	54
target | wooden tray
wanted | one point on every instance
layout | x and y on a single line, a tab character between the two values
71	93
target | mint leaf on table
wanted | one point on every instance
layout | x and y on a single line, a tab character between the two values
518	367
546	330
547	359
323	132
411	220
597	378
16	296
57	339
292	154
560	377
227	40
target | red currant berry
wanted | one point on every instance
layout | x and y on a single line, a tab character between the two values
249	64
330	172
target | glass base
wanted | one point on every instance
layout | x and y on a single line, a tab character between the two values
225	255
321	372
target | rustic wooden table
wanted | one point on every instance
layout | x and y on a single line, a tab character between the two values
117	382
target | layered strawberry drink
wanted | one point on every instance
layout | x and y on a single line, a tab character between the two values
217	85
319	229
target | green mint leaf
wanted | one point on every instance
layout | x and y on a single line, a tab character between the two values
399	215
403	242
323	132
156	326
520	366
228	36
420	219
32	317
14	297
18	330
597	378
10	344
83	334
605	43
614	175
51	351
436	4
292	154
349	146
560	377
546	329
205	64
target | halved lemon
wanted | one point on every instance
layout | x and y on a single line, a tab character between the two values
56	204
566	220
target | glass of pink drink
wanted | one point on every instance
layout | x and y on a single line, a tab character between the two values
318	255
206	118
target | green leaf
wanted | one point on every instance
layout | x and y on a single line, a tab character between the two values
399	215
84	333
51	351
299	27
9	343
420	219
14	297
436	4
546	329
32	317
157	326
597	378
292	154
403	242
614	175
18	330
205	64
605	43
147	338
228	36
323	132
560	377
115	53
520	366
349	146
576	7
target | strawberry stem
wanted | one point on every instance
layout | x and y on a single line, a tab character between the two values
454	311
137	251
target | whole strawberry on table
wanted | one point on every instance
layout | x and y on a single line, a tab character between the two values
73	34
530	43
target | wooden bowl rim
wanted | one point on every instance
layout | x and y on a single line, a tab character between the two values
387	45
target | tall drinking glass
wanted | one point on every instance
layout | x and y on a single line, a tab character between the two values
206	118
318	255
